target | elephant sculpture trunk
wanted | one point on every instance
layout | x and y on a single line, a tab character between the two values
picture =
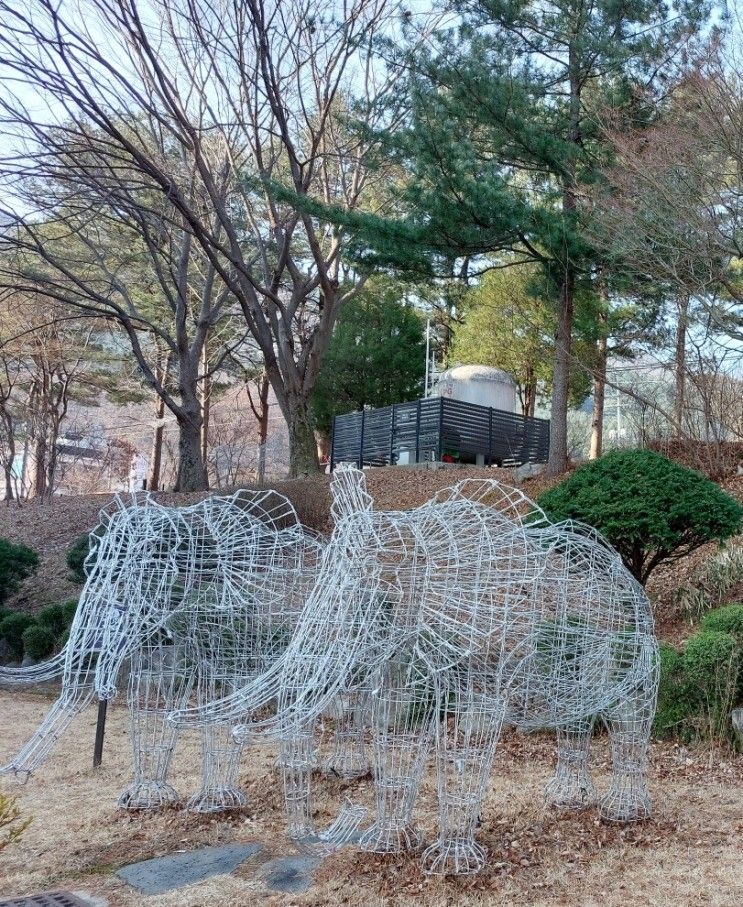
44	672
55	723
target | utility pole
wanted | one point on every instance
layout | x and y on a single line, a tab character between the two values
428	354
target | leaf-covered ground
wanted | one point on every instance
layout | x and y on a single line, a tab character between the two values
688	854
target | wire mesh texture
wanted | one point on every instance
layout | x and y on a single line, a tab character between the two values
195	601
444	624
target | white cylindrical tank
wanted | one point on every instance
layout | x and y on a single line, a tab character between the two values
480	384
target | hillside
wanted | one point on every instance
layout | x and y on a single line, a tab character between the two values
51	527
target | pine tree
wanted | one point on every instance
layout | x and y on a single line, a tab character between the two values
376	355
504	140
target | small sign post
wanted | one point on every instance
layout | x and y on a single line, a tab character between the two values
100	730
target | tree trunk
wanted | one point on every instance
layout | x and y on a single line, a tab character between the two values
205	401
323	447
558	456
191	475
599	398
156	457
528	397
8	471
302	444
39	461
191	470
263	390
9	458
679	399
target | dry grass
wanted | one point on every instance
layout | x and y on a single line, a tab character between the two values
689	854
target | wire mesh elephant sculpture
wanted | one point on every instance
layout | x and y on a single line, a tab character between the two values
460	617
198	600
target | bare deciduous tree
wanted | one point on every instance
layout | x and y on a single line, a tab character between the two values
237	117
46	360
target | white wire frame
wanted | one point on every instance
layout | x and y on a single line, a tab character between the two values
456	619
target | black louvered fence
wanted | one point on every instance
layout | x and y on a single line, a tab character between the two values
438	429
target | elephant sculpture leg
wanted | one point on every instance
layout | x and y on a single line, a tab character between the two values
349	758
629	723
155	688
221	762
465	747
571	786
401	729
297	760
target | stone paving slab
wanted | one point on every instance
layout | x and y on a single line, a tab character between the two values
176	870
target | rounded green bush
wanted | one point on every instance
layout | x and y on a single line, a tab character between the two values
69	609
675	701
79	551
11	630
16	563
712	665
648	507
709	658
75	558
729	620
53	617
726	620
38	641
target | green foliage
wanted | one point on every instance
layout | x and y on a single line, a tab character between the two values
648	507
700	685
76	555
16	563
11	824
712	664
12	628
38	641
726	620
675	706
39	635
53	618
509	322
69	609
375	357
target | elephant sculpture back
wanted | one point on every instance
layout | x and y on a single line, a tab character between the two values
482	589
453	619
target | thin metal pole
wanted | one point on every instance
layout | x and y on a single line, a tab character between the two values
392	437
361	440
428	353
417	431
100	730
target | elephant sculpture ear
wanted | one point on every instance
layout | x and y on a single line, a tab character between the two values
267	506
348	491
511	503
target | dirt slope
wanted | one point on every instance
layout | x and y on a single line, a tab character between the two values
51	527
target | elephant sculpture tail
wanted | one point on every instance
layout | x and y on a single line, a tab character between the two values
645	673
